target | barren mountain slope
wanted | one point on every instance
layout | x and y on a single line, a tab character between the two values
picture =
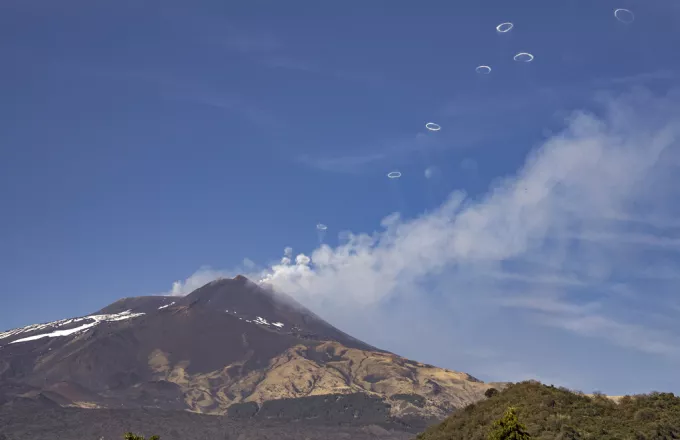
229	342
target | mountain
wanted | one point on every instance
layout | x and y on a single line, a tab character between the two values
231	347
551	413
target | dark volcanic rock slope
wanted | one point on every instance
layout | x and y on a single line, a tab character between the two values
229	342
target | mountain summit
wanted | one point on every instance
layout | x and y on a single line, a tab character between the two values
227	344
248	302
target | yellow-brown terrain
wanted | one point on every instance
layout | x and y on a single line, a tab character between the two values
328	368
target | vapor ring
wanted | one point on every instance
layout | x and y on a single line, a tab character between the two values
624	15
505	27
524	57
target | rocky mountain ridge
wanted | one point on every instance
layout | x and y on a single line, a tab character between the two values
228	343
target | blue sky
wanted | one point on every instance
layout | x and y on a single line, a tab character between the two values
143	143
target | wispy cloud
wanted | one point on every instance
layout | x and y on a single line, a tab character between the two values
288	63
168	86
201	94
634	239
271	51
250	41
540	250
343	164
198	279
548	303
465	126
637	337
393	149
469	164
206	274
642	77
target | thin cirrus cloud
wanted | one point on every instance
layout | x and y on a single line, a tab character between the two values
548	247
182	89
251	42
272	51
465	123
344	164
395	148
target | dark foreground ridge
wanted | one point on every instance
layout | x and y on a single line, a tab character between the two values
341	417
551	413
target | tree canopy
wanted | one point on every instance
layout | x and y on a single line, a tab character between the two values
131	436
552	413
508	428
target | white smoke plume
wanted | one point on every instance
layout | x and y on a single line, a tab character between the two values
579	179
561	245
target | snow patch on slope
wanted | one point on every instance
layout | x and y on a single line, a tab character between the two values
263	321
258	320
88	322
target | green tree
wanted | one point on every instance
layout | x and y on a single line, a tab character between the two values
508	427
131	436
489	393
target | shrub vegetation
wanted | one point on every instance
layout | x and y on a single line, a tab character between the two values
550	413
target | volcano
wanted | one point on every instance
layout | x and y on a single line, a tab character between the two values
231	347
